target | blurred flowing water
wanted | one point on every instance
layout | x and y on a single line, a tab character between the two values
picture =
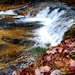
55	22
33	25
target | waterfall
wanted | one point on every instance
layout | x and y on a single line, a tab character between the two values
55	24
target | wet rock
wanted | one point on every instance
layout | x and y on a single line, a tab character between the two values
2	46
61	6
33	25
17	23
7	71
5	24
21	13
70	33
18	41
25	59
9	40
71	12
2	73
2	21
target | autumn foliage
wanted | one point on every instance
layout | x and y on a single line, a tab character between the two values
57	60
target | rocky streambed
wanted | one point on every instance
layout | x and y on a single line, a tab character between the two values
14	40
16	33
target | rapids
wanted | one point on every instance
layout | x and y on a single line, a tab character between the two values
38	24
55	20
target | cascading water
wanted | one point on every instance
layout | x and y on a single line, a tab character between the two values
54	21
55	24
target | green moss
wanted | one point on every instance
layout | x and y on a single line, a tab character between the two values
73	56
38	50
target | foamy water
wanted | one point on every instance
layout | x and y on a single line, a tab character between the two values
7	12
55	25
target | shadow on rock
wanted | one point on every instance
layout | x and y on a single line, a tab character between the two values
18	41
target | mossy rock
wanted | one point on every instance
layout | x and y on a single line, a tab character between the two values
70	33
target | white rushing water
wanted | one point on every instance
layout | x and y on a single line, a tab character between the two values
55	25
7	12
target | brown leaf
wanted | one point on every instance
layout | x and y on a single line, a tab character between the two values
71	71
59	63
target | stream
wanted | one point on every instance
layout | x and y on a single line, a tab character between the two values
31	25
